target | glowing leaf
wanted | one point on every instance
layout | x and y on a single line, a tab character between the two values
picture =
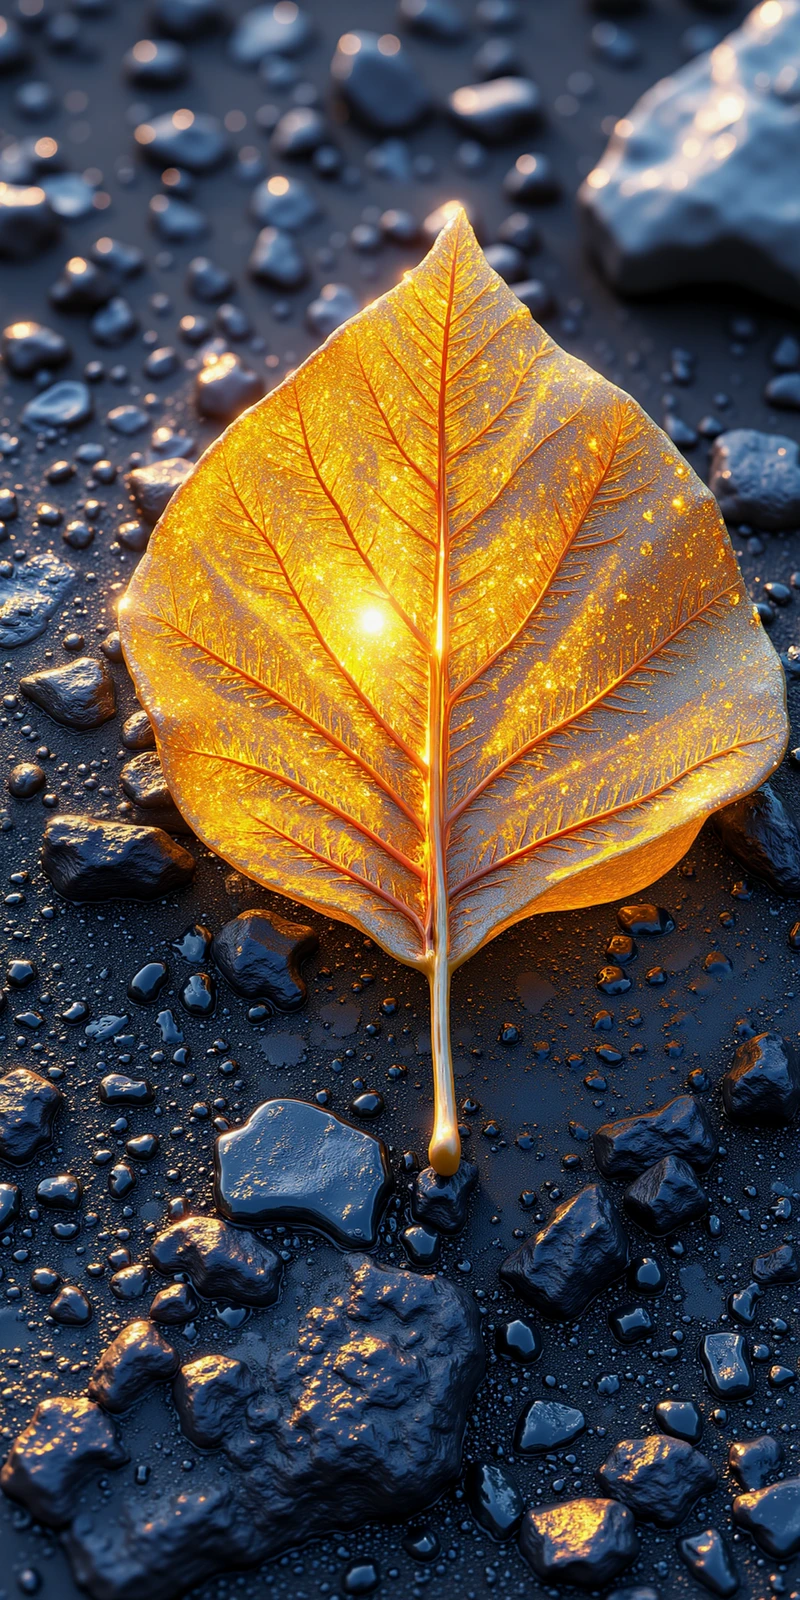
445	631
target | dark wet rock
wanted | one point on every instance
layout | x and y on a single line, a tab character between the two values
62	1192
84	285
777	1266
727	1365
10	1200
142	780
143	1147
123	260
299	1164
28	222
161	363
88	860
753	1461
65	1444
532	180
546	1425
433	19
175	221
285	203
442	1202
30	347
114	323
422	1246
28	1109
186	19
507	261
80	694
299	133
25	780
276	260
518	1340
772	1517
334	304
199	995
67	404
127	420
223	1263
756	479
613	980
630	1324
155	64
261	954
153	486
30	595
232	322
118	1089
660	1478
130	1283
585	1542
761	835
136	1359
226	387
71	1307
175	1305
645	920
208	281
208	1394
378	82
577	1254
681	1128
269	30
194	943
383	1374
784	391
192	140
681	1419
145	986
120	1183
496	110
763	1085
493	1497
716	222
710	1561
665	1197
399	227
137	732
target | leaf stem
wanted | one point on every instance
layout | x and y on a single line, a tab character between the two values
444	1150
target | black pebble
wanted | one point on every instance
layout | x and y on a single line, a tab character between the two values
494	1499
153	486
442	1202
25	780
710	1561
763	1085
89	860
269	30
225	387
681	1128
198	994
29	347
260	954
188	139
630	1324
175	1305
194	944
78	695
276	260
118	1089
658	1477
681	1419
754	1461
378	82
71	1307
146	984
665	1197
422	1246
114	323
155	64
62	1192
28	1109
497	109
727	1365
281	202
64	405
642	920
577	1254
26	227
518	1340
546	1425
335	304
299	133
585	1542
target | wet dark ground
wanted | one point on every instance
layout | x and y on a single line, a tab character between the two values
540	976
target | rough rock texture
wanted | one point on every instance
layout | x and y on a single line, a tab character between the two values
137	1358
210	1395
494	1498
658	1477
547	1425
761	835
153	486
91	860
697	185
709	1560
585	1542
763	1085
666	1197
64	1444
726	1361
260	955
223	1263
80	694
772	1516
296	1163
777	1266
577	1254
442	1202
30	595
753	1461
377	1389
756	479
680	1128
28	1107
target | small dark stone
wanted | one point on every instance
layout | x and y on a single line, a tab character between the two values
223	1263
763	1085
127	420
137	732
129	1283
145	986
496	110
645	1276
114	323
71	1306
10	1199
63	1192
777	1266
121	1180
208	281
577	1254
28	222
298	1163
422	1544
369	1104
143	1147
442	1202
161	363
756	479
709	1561
207	1395
78	535
753	1461
334	304
199	995
142	780
153	486
493	1497
187	19
84	285
194	944
630	1324
642	920
585	1542
89	860
78	695
175	1305
175	221
422	1246
285	203
225	387
269	30
772	1517
155	64
64	405
680	1128
28	1109
299	133
546	1425
658	1477
192	140
276	260
743	1304
784	391
136	1359
518	1340
681	1419
67	1442
30	347
507	261
727	1366
761	835
260	955
433	19
25	780
117	1089
532	180
378	82
665	1197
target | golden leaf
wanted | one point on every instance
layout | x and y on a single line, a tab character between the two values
445	631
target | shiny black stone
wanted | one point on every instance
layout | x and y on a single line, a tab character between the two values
378	83
442	1202
710	1561
546	1425
90	860
763	1085
727	1365
630	1324
518	1340
494	1499
681	1419
658	1477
